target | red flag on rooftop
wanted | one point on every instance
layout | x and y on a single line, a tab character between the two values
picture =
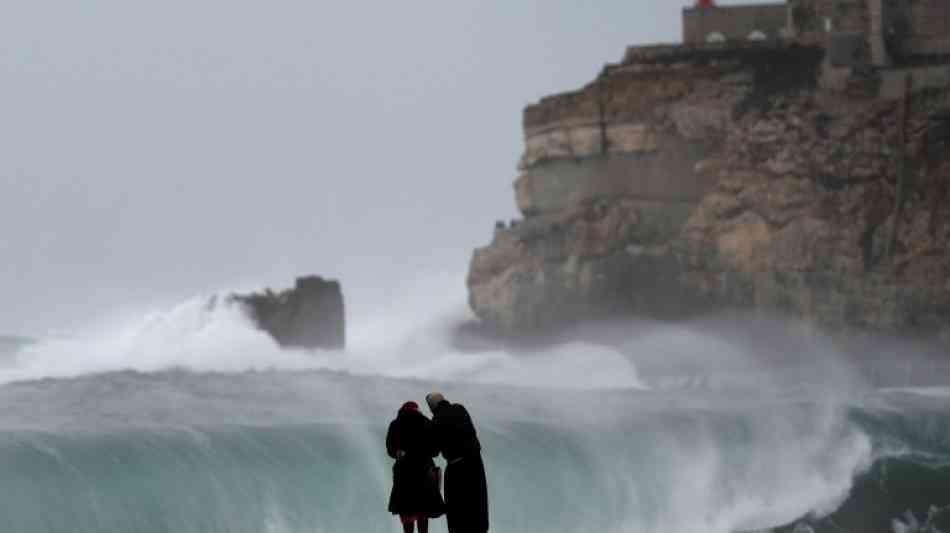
705	3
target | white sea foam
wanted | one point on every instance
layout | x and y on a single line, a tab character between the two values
215	334
693	460
197	334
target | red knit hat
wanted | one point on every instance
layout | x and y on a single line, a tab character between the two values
409	406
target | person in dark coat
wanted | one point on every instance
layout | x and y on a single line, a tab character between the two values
466	489
415	496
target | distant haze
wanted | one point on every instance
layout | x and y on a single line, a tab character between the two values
153	150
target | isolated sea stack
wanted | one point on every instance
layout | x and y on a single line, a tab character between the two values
785	158
308	316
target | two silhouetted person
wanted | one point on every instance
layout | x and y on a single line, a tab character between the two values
450	432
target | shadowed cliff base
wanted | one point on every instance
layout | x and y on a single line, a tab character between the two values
310	315
717	351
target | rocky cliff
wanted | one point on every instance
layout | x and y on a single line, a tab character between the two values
310	315
685	180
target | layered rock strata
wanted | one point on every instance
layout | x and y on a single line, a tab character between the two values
310	315
684	180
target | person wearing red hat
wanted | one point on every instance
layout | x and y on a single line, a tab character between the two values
416	495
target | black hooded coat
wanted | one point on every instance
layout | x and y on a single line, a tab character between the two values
466	489
415	490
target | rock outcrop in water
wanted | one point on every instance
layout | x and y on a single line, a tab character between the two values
310	315
687	179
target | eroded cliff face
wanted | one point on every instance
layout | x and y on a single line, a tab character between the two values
688	180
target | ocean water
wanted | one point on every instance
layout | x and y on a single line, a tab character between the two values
190	420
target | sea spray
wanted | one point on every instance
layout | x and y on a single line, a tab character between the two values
236	452
192	420
215	334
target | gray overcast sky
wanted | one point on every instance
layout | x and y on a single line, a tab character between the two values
153	150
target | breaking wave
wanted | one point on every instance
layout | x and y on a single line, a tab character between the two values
192	420
216	334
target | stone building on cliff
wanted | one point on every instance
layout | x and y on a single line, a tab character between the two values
872	45
878	46
879	33
874	32
708	23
